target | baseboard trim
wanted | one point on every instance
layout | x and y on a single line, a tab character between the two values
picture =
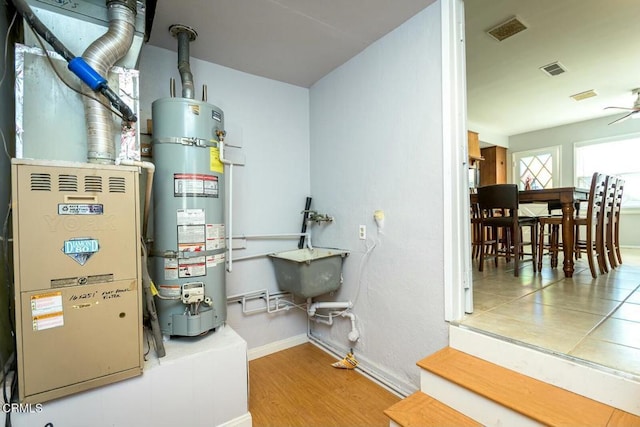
276	346
365	369
241	421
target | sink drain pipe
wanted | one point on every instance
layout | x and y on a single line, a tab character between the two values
312	308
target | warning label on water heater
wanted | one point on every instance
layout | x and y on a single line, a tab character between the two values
191	238
195	185
215	236
190	217
192	267
175	268
191	230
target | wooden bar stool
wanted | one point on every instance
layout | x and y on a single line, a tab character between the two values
616	227
549	239
608	261
476	229
499	211
592	245
612	231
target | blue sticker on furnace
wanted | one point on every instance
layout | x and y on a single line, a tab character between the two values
81	249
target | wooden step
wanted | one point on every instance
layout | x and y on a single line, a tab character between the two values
422	410
540	401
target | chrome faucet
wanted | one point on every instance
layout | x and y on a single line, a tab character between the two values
316	217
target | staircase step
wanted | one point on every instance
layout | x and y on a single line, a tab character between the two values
614	388
420	409
537	400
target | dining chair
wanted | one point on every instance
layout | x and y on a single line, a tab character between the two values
550	228
611	183
612	231
549	239
607	261
593	243
476	229
499	211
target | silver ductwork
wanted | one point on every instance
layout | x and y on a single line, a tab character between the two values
185	35
102	54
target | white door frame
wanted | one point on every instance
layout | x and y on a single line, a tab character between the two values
458	290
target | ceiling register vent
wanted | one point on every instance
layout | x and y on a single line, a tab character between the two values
584	95
554	69
509	28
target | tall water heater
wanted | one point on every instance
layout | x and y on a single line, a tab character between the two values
189	249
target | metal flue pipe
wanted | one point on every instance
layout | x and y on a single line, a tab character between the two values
102	54
185	35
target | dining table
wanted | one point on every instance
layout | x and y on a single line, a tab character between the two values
569	198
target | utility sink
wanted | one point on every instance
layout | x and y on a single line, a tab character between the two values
309	272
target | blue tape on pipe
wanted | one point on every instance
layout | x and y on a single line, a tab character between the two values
86	73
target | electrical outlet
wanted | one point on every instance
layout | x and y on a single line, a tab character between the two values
362	232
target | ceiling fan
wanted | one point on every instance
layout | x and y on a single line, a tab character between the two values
632	110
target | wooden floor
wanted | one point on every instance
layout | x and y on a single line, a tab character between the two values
299	387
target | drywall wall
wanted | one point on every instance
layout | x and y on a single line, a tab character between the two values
376	144
271	121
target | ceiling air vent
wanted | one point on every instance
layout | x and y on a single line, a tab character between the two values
584	95
554	69
510	27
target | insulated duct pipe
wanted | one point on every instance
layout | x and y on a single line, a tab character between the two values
185	35
39	28
77	65
102	54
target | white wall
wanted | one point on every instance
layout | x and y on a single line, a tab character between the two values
487	136
271	120
376	143
566	136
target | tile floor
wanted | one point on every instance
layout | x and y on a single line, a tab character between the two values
597	320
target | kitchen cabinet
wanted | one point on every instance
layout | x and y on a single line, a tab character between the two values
493	170
473	146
